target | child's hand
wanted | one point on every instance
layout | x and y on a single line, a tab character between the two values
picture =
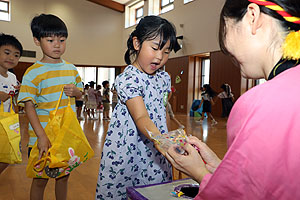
158	147
43	145
18	86
71	90
3	96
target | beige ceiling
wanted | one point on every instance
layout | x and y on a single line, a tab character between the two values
122	1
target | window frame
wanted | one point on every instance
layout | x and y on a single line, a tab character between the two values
205	75
130	12
7	12
136	17
187	1
161	7
8	4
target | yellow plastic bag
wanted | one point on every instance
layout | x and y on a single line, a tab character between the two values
9	136
69	149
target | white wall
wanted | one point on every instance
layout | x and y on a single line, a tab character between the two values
95	32
97	35
200	20
21	14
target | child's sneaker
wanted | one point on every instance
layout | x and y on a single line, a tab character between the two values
214	122
200	121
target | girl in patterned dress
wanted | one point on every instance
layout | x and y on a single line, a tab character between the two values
130	157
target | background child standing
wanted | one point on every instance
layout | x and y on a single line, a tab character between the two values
106	100
227	99
86	98
114	99
10	53
99	98
129	157
41	87
207	101
92	101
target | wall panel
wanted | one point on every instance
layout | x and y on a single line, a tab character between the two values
222	70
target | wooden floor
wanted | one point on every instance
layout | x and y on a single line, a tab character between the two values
14	185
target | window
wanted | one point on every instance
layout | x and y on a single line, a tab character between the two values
106	74
4	10
133	13
205	71
166	5
260	81
187	1
139	13
87	74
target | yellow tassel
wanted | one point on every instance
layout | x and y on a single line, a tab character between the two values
291	46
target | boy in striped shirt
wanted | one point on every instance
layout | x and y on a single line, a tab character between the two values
41	87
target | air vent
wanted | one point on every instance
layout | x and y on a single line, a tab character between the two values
29	54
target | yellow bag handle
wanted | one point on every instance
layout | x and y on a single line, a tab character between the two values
2	107
11	108
47	157
43	161
59	100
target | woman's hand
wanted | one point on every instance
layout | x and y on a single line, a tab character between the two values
211	159
189	163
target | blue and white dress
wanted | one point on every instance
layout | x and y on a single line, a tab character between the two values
128	157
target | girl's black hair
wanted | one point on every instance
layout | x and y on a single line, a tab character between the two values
149	28
236	9
10	40
209	90
47	25
226	88
104	83
92	83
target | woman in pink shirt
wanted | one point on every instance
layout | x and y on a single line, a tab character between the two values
263	157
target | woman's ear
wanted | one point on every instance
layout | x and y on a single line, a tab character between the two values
36	41
254	17
136	43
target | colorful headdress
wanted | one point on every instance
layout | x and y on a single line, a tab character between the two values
291	46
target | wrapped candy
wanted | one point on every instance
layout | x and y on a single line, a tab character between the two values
166	140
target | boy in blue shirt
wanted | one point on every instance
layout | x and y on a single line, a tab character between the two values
41	87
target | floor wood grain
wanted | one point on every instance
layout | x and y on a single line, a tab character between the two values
14	185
